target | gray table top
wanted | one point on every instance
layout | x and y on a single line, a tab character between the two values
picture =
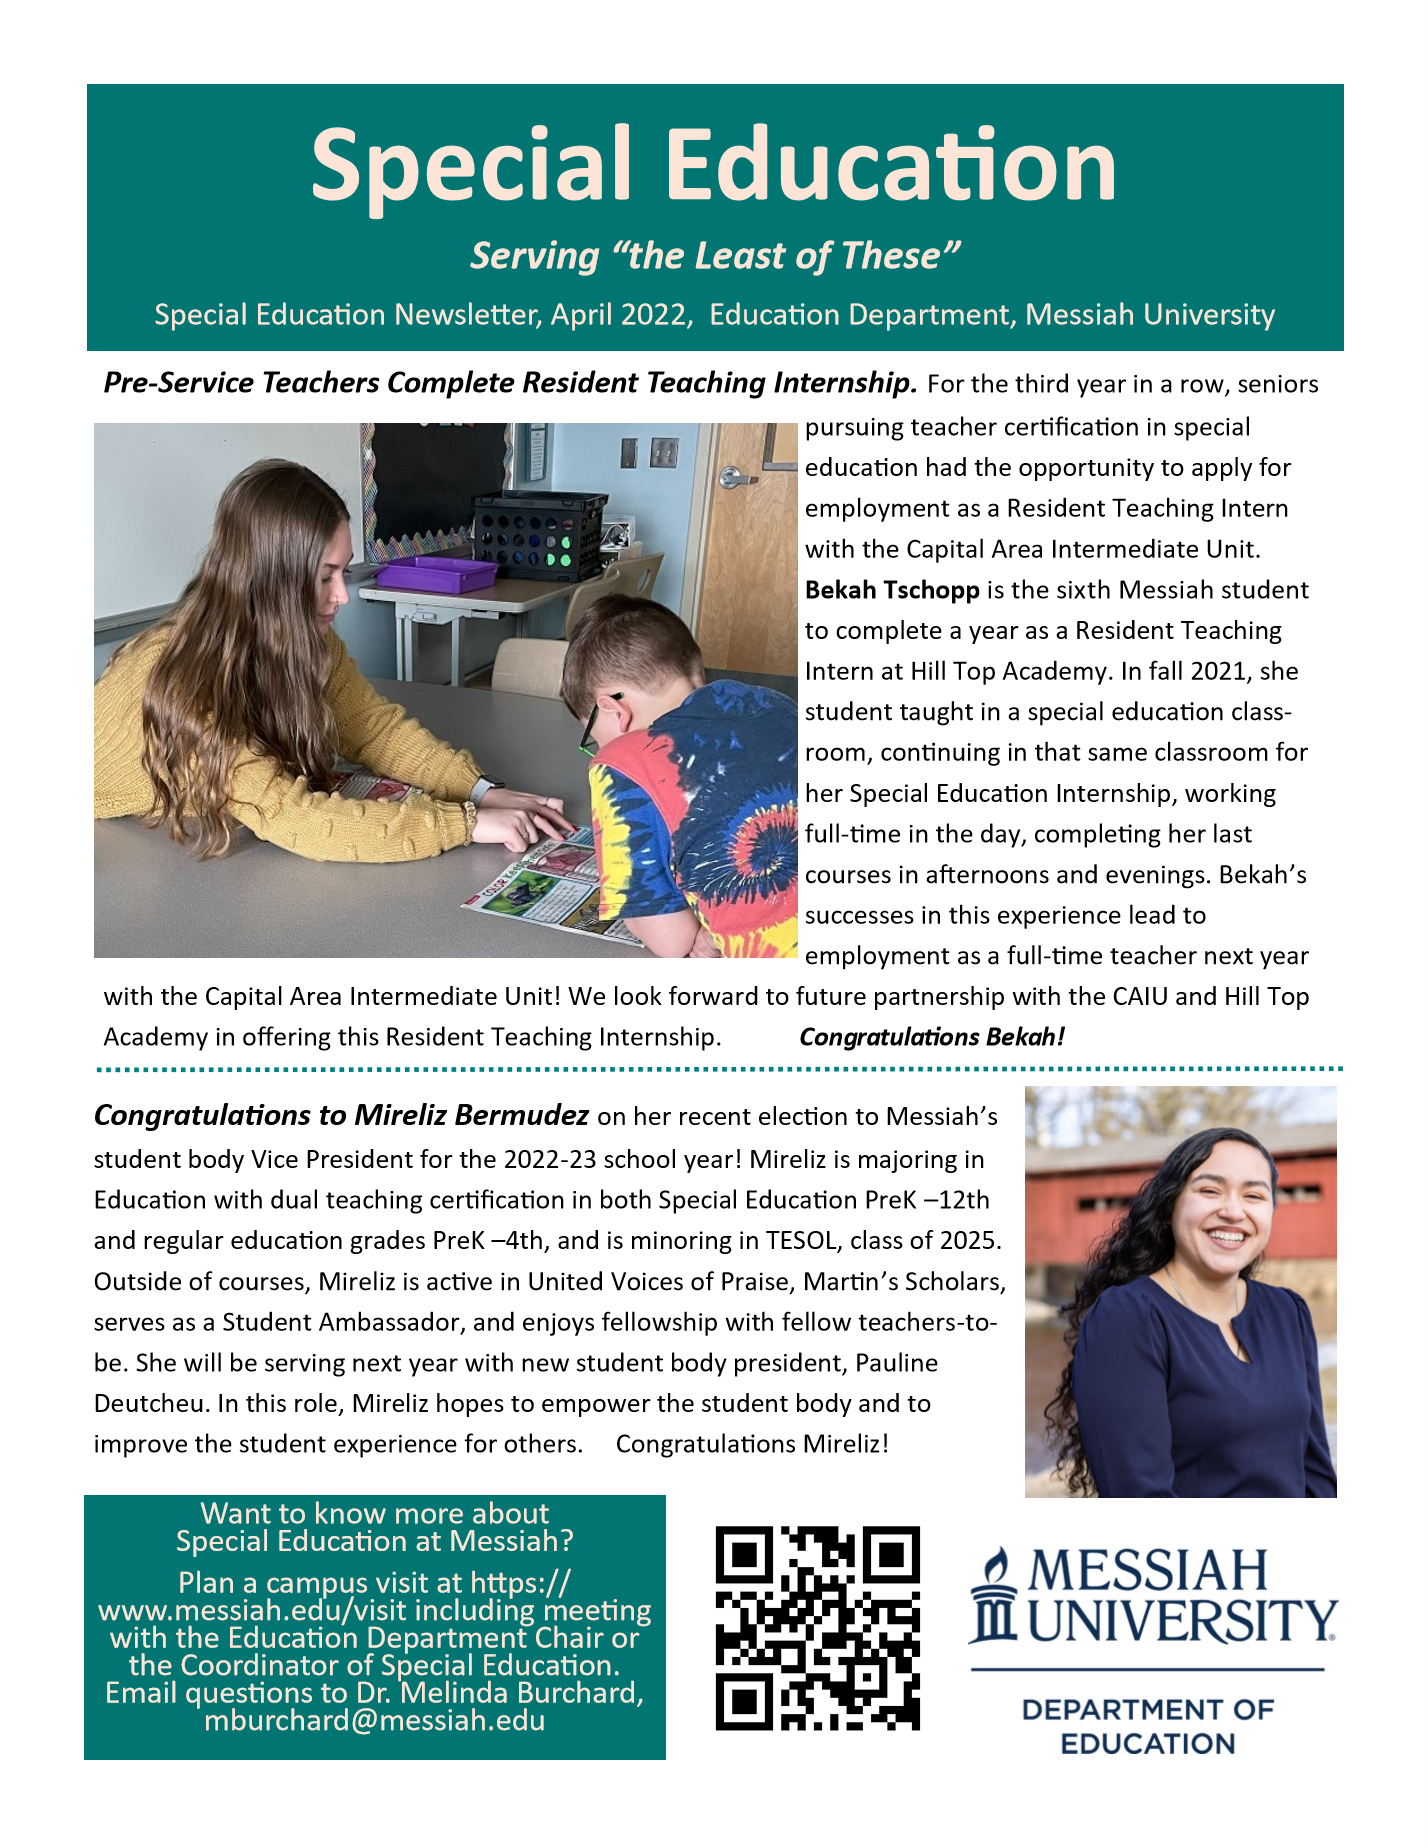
153	899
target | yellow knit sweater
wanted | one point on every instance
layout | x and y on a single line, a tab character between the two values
280	807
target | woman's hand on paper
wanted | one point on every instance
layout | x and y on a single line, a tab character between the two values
515	819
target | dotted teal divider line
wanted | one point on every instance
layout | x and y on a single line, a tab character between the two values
276	1070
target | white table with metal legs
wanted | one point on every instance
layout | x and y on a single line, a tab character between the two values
506	597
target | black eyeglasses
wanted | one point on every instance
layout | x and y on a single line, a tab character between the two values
587	740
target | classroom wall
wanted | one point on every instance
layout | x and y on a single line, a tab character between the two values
156	485
586	457
155	488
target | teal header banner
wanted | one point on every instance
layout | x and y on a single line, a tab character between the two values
871	219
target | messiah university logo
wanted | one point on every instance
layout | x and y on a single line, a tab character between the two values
994	1603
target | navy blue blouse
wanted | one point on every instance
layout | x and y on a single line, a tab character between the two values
1166	1409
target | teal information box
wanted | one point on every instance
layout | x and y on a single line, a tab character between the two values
374	1626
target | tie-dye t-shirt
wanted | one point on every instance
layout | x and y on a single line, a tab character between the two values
701	810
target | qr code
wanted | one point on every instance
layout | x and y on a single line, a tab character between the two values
817	1629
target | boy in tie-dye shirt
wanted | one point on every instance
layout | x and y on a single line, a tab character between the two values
692	787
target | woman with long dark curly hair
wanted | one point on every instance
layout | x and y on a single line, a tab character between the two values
1187	1377
237	708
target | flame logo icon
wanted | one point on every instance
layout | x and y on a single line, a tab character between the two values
995	1600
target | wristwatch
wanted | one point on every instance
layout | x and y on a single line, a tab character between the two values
482	787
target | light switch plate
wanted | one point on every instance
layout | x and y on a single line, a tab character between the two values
664	452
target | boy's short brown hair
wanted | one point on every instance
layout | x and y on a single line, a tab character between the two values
626	638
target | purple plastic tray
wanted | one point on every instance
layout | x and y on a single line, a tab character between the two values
457	577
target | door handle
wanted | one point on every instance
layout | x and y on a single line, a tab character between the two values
729	477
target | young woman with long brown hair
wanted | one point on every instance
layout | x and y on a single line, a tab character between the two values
1188	1377
238	707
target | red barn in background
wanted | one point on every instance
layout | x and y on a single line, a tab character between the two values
1074	1195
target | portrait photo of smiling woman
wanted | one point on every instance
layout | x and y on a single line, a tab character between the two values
1189	1378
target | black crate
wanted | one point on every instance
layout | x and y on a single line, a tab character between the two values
551	536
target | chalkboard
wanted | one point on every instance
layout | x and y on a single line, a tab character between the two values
418	481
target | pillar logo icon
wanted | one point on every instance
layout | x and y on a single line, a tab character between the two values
994	1602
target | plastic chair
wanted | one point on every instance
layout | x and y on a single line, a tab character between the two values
527	665
631	577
